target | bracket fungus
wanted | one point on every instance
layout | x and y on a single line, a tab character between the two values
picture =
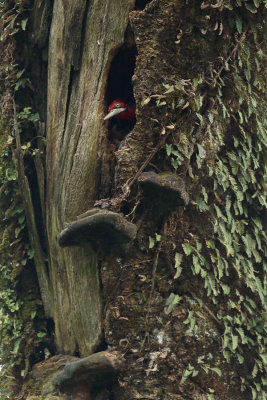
89	375
103	229
166	191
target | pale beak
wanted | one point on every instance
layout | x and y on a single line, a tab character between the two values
114	112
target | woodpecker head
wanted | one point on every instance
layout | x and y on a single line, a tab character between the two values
119	109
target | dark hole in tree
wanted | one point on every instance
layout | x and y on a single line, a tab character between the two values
141	4
120	86
120	75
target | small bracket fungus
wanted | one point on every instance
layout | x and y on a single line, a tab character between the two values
103	229
89	374
166	191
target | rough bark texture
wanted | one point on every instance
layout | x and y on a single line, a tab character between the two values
83	38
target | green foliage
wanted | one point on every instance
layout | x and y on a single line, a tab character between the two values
228	158
153	241
18	329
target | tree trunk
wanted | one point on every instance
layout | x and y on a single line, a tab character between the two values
83	38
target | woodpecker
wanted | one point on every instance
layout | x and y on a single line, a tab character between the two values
120	110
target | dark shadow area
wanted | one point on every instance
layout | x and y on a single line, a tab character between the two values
141	4
119	84
31	174
120	87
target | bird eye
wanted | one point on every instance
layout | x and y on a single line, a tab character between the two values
118	105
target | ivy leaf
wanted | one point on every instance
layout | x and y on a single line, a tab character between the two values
41	334
197	266
16	347
251	8
186	374
158	237
168	149
264	358
234	342
33	313
171	302
211	117
30	253
242	335
217	370
23	24
178	261
195	373
145	101
187	249
238	23
240	358
20	73
200	118
151	242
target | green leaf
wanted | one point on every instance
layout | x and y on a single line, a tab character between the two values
187	249
189	317
264	358
240	358
171	302
186	374
174	163
234	342
254	393
158	237
217	370
17	231
168	149
41	334
251	8
255	371
197	266
23	24
20	73
200	315
16	346
227	355
242	335
178	261
200	118
151	242
33	313
211	117
30	253
21	219
238	22
145	101
205	368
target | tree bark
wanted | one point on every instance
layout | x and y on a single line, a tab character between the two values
83	38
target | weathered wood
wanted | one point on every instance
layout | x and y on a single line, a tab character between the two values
83	39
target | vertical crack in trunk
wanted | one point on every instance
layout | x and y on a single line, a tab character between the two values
83	29
68	102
